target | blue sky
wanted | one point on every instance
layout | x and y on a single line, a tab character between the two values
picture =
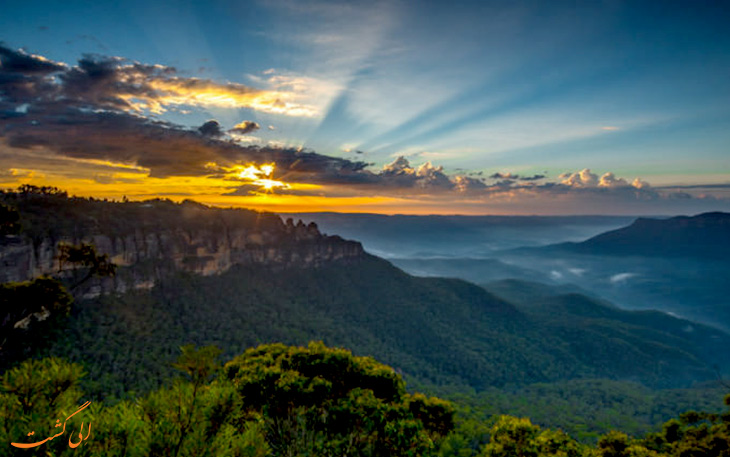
507	90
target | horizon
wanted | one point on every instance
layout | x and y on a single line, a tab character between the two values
364	213
476	108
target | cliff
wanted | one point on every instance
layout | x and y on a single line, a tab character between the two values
153	238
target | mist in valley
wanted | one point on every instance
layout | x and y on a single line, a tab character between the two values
486	249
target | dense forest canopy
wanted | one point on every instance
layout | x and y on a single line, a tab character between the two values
63	347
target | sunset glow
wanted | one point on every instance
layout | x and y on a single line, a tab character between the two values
338	106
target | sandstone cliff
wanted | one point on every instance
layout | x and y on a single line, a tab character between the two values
153	238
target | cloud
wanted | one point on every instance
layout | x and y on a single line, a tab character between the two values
117	83
466	184
100	111
586	179
621	278
250	190
583	178
532	178
556	275
639	184
211	128
163	148
245	190
610	180
400	173
503	176
28	64
513	177
92	111
577	271
242	128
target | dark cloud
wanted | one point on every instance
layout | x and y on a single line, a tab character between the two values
97	110
242	128
164	148
468	185
22	63
504	183
211	128
503	176
113	83
246	190
249	190
510	176
25	77
699	186
532	178
88	111
116	83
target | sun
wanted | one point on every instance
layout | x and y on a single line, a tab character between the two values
259	175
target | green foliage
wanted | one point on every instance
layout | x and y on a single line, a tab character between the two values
695	434
34	395
30	312
278	400
323	401
518	437
199	364
587	408
273	400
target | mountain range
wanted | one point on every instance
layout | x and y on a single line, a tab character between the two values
704	236
235	278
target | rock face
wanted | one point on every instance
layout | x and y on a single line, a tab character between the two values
149	239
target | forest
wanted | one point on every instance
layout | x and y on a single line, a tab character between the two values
278	360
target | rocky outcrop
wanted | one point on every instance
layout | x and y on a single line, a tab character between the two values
207	243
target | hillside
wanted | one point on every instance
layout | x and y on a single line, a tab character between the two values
585	323
435	331
706	235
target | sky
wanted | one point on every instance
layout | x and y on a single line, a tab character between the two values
411	107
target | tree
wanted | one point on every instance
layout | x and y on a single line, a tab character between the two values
518	437
325	401
29	313
34	395
85	256
9	221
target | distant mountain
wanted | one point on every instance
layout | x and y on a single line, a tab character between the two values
705	235
408	236
678	265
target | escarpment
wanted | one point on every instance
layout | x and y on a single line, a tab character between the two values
150	239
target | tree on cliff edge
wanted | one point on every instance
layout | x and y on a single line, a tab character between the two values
84	256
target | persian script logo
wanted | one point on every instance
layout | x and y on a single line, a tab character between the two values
71	444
